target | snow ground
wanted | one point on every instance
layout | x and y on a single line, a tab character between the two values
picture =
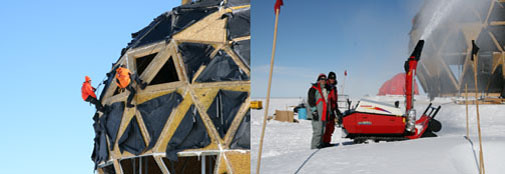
286	147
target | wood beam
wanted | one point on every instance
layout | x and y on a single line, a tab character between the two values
155	66
161	164
143	128
489	11
497	23
238	61
495	41
210	29
146	50
232	131
173	121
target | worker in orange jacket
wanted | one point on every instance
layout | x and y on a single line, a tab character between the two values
123	79
88	93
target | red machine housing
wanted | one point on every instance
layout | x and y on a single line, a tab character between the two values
367	123
386	122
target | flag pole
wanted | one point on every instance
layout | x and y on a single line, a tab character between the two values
268	92
475	50
466	104
343	84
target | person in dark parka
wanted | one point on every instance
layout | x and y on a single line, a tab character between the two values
331	86
320	108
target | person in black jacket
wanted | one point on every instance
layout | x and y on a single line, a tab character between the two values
331	86
320	109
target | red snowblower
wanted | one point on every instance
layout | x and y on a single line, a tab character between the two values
377	121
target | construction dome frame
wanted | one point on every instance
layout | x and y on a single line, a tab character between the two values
197	74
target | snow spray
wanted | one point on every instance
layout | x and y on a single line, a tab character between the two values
442	11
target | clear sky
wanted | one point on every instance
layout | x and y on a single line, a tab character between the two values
369	38
46	49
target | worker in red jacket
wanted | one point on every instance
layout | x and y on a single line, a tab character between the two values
123	79
88	93
331	86
319	106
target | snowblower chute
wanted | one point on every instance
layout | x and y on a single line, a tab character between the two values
371	120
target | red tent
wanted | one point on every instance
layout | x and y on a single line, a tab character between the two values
396	86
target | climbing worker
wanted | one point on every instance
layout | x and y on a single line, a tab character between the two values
320	107
123	78
331	86
88	93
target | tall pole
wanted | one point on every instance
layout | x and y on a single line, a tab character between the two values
475	50
466	104
268	92
481	154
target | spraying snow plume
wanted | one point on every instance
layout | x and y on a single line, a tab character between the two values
443	10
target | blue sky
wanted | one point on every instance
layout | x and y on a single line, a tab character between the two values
369	38
47	48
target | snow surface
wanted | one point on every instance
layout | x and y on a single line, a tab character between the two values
286	147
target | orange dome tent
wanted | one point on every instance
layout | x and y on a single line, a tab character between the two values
396	86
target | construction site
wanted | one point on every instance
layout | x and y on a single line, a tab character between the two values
449	28
262	87
456	50
193	115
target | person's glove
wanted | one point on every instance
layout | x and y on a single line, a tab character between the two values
315	116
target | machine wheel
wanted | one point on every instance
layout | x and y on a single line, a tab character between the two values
428	133
435	125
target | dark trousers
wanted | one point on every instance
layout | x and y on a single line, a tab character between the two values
136	78
94	101
132	94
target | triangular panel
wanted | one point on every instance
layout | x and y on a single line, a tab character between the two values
190	134
210	29
112	120
242	138
243	50
239	23
167	73
222	68
155	113
194	55
132	140
224	108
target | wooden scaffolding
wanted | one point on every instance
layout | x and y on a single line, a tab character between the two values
446	65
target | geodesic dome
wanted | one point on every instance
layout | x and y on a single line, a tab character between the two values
193	117
446	65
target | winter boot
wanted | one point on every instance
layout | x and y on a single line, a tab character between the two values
143	85
129	105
